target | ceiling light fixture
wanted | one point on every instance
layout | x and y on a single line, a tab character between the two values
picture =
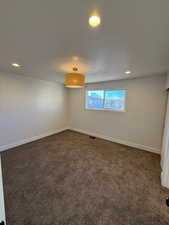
74	80
94	20
128	72
15	65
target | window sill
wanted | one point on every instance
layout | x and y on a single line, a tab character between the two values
107	110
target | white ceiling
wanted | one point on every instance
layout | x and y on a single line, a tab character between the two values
44	35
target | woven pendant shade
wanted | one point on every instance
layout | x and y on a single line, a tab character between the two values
74	80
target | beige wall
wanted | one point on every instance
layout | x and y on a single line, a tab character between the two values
140	126
29	109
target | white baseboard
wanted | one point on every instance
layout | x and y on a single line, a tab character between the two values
131	144
27	140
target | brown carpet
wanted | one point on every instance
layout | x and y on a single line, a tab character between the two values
69	179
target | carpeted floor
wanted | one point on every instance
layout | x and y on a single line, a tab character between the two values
69	179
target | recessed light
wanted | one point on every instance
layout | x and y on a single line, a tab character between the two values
127	72
94	21
15	65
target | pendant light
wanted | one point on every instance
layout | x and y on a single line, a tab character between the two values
74	79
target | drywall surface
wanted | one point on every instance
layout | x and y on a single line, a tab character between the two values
30	109
140	126
2	207
165	151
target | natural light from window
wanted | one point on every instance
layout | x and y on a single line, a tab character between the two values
106	100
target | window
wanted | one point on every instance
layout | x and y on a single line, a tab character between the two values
106	100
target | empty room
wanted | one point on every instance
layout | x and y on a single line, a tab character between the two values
84	112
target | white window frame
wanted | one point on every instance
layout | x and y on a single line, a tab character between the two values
111	110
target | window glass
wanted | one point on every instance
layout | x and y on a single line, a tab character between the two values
106	100
115	99
95	99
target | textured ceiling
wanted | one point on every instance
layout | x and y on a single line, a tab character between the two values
45	35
